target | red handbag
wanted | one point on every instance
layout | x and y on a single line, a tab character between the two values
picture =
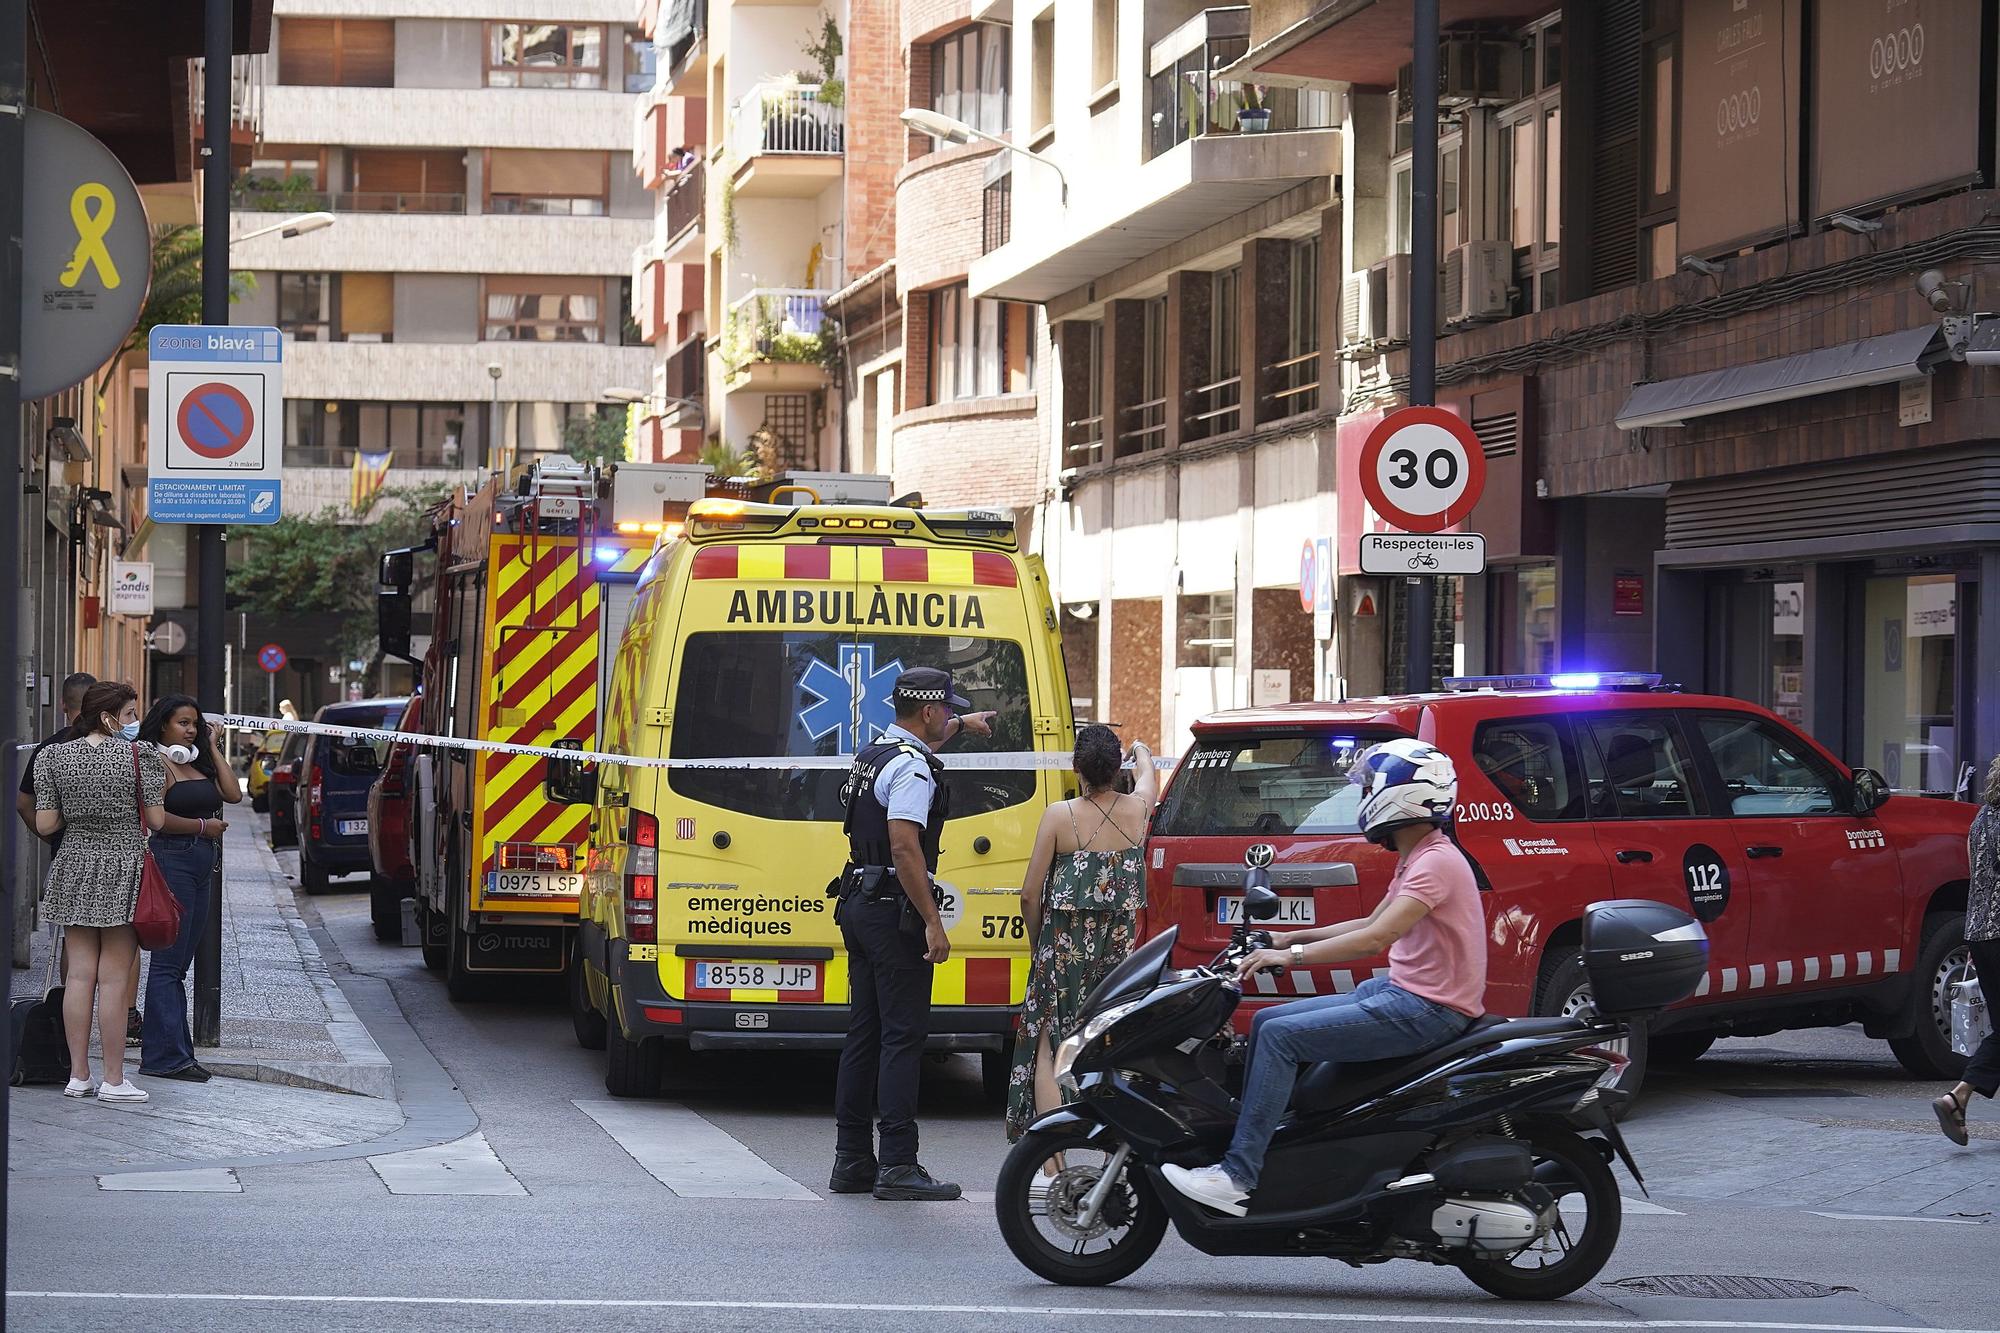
157	918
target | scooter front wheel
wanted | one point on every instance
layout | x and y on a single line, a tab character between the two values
1043	1192
1583	1229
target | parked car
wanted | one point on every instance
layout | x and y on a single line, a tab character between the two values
330	799
389	834
1826	898
282	788
262	760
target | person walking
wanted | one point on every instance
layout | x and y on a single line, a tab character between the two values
103	791
186	850
888	917
1982	937
1080	900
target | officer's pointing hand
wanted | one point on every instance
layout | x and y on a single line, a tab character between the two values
937	947
979	724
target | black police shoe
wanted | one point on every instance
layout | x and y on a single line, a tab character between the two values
910	1181
852	1175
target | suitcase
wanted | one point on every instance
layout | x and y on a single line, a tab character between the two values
41	1054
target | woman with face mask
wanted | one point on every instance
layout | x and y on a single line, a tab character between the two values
105	791
198	785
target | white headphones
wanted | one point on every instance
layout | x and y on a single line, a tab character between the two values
180	754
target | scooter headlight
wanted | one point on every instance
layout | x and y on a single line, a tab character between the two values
1096	1026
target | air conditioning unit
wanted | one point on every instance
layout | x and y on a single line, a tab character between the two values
1475	282
1474	69
1395	297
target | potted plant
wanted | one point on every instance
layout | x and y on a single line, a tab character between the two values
1255	117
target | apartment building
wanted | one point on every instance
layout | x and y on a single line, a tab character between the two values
1182	234
471	305
1710	274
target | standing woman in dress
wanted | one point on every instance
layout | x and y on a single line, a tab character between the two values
1982	937
186	851
91	791
1080	899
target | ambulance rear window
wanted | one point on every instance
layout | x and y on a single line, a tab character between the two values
1263	786
765	693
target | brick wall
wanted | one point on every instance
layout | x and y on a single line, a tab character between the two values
940	193
1135	671
977	451
1281	635
876	140
925	19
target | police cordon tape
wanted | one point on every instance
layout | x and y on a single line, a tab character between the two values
1009	760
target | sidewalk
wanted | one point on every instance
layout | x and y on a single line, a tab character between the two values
283	1018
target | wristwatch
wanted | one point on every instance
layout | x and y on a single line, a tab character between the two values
1298	955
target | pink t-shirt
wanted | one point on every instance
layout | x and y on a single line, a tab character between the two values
1443	957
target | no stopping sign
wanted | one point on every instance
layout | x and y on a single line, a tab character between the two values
1422	469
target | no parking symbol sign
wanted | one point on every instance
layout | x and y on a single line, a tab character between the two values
217	408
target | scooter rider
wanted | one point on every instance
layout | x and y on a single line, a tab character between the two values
889	921
1431	924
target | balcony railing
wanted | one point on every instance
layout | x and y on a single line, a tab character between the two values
279	197
1214	409
1297	388
777	324
786	118
684	201
1186	100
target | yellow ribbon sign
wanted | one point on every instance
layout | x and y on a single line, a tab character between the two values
91	228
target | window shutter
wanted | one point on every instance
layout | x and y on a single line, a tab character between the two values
1614	190
305	51
368	53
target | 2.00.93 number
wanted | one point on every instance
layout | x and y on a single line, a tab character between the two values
1002	928
1469	812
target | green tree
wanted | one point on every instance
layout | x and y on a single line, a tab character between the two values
596	438
324	564
174	295
723	461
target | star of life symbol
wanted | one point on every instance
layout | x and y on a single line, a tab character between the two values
853	700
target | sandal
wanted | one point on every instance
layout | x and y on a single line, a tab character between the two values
1951	1118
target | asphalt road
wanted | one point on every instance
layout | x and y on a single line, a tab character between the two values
576	1233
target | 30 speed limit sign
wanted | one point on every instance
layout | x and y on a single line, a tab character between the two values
1422	469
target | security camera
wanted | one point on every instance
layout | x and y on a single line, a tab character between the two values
1983	344
1706	267
1932	286
493	368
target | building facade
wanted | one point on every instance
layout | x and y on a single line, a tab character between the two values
1707	298
471	305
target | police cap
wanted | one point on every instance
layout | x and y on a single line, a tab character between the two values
928	685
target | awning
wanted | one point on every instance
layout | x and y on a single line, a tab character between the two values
1362	42
1885	359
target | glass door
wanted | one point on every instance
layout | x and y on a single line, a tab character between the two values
1909	677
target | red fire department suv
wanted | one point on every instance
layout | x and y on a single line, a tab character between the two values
1826	899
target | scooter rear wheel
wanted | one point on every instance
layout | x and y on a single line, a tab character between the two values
1587	1192
1038	1214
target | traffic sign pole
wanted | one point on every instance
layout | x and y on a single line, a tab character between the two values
213	590
1418	669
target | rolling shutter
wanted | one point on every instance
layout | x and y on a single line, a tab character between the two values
1614	136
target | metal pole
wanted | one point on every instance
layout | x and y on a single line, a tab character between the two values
13	93
1423	292
210	618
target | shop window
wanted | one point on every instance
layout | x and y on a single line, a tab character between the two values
1763	650
1208	630
969	76
544	55
305	305
1909	681
522	309
562	182
337	53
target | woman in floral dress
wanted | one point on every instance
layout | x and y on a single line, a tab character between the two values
1081	898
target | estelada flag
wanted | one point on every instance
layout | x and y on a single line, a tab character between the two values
370	472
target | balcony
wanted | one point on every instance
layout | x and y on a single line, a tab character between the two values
785	143
1186	97
552	372
268	196
776	338
678	223
380	242
427	117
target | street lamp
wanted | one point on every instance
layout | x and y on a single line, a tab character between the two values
616	394
290	227
491	454
940	126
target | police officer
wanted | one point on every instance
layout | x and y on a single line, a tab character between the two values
888	914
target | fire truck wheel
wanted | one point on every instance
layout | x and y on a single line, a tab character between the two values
1942	962
434	954
459	981
633	1068
583	1015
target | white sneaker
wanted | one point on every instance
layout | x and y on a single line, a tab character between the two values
1210	1186
80	1087
123	1092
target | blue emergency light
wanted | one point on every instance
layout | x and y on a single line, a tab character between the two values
1562	680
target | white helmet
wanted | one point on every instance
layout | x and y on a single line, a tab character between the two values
1404	781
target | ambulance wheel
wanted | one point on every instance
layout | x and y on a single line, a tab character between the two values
584	1016
1943	961
633	1068
995	1068
1564	991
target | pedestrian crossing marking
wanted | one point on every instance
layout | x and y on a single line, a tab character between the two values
464	1166
689	1155
204	1180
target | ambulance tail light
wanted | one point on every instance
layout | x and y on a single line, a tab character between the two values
557	857
640	906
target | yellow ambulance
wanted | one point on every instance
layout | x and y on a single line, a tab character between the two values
773	632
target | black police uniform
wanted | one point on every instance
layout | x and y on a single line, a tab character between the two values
889	981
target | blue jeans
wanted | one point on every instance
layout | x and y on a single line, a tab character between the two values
167	1044
1375	1021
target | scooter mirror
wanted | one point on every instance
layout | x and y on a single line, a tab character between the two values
1259	903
